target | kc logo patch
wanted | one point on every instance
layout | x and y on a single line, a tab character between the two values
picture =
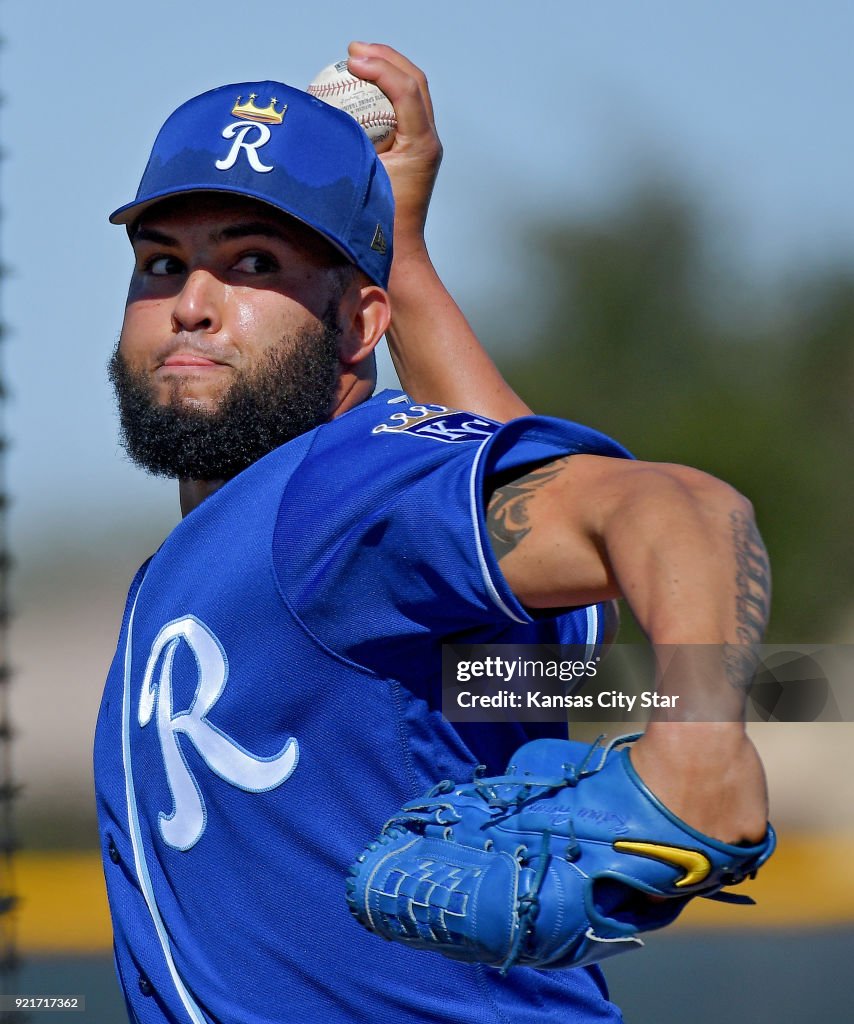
182	828
439	424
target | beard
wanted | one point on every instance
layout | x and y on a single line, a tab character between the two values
288	394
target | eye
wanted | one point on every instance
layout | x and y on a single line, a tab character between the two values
257	263
163	266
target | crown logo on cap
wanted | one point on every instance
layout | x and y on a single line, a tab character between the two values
267	115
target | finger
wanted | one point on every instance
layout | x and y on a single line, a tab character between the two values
413	120
380	50
383	65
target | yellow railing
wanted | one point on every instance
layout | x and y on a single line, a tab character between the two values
809	882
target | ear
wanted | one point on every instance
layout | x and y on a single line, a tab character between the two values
364	313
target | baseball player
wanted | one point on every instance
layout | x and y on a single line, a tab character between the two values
275	692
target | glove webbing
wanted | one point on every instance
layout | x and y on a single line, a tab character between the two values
440	812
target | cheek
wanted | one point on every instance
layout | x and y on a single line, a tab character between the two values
248	316
137	326
262	323
130	332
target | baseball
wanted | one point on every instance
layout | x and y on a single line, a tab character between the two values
362	100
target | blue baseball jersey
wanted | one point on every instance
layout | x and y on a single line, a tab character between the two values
276	695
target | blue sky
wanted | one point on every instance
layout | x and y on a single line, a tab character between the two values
548	107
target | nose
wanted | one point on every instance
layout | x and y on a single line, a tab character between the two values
198	305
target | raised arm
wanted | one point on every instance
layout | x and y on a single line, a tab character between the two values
684	551
435	351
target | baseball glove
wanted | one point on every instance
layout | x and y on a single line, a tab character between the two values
559	863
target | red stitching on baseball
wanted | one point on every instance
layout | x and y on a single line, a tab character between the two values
378	121
332	88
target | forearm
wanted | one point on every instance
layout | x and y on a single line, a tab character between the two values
683	550
435	351
698	582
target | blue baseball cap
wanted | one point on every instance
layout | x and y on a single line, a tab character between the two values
277	144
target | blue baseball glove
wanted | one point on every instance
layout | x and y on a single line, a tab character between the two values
559	863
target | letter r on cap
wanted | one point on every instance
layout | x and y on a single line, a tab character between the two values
240	130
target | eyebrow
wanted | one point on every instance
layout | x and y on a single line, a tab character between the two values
247	229
142	234
255	227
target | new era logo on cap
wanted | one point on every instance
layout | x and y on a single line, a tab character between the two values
276	144
379	243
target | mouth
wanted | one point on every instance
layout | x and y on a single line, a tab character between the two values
189	359
190	366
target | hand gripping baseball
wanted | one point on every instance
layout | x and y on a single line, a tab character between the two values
413	160
559	863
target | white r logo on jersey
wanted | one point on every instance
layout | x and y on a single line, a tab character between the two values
241	129
183	827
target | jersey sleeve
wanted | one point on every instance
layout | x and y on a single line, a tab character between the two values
400	556
515	446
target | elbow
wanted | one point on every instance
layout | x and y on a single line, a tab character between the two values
709	494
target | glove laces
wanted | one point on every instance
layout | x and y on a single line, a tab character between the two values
528	907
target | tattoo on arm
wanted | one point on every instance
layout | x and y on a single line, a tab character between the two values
507	513
753	592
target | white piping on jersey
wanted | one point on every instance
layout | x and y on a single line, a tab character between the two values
592	631
481	558
193	1011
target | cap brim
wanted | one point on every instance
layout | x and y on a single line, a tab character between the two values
130	212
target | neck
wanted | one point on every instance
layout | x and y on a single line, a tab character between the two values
192	493
352	391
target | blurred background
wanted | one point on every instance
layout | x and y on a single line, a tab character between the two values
647	211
